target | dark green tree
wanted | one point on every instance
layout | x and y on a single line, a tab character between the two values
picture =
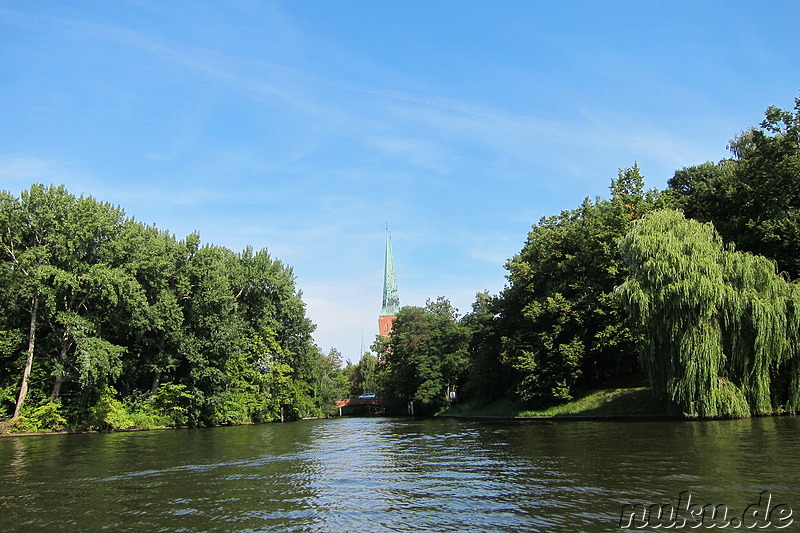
62	275
560	327
425	356
90	281
272	310
753	199
329	382
488	378
154	328
363	378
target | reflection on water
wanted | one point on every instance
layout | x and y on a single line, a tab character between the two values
384	474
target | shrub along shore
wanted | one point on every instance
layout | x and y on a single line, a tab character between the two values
602	404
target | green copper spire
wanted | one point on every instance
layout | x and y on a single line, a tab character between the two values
391	300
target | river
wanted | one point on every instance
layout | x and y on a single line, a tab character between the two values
398	474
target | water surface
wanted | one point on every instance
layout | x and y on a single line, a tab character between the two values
392	474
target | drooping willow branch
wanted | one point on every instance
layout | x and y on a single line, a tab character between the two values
722	327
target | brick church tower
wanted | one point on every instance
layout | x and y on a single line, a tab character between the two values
391	300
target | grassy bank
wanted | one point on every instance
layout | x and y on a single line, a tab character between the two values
638	401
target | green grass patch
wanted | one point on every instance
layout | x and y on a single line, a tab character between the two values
637	401
607	402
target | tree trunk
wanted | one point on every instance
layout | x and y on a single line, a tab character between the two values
156	382
157	373
62	359
23	390
56	388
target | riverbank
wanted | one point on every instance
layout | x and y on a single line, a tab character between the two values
617	403
126	430
82	431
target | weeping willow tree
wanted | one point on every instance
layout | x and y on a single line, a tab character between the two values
721	328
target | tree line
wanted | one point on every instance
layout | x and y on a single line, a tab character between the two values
108	323
688	289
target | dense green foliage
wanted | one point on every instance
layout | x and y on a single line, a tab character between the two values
561	328
425	356
753	199
109	323
363	377
721	329
714	331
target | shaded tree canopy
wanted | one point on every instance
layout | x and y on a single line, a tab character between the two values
560	327
721	329
106	322
425	356
753	199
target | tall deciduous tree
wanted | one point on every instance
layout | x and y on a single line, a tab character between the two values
559	325
329	381
721	329
363	378
89	282
425	355
488	378
61	268
753	199
153	324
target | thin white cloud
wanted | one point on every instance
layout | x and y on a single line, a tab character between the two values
19	172
493	255
525	138
416	151
27	169
505	131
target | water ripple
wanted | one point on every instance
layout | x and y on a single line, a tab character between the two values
387	475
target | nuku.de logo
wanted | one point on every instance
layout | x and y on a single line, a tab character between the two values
693	516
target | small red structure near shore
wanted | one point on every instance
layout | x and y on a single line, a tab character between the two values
364	399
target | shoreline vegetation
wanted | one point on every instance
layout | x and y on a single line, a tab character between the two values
635	403
110	324
694	286
609	404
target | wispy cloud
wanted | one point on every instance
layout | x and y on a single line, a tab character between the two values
260	130
25	169
18	172
522	137
417	151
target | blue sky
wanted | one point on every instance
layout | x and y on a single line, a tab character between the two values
304	127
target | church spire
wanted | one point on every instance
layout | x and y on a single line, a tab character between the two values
391	299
